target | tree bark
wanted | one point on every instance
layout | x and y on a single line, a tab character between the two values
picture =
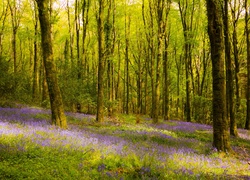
216	36
229	74
3	17
235	13
126	70
15	25
101	64
108	29
35	95
166	79
57	110
159	59
187	25
71	34
247	124
77	28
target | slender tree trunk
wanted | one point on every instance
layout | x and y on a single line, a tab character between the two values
178	67
166	79
15	25
139	87
85	22
161	13
205	60
235	17
57	111
151	55
14	51
160	37
229	74
216	36
187	19
247	125
3	17
117	87
127	33
108	45
101	63
44	85
35	94
77	28
71	35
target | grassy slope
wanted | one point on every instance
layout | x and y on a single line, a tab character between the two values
118	149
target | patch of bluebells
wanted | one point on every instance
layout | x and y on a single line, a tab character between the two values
39	132
49	136
244	134
23	116
145	170
182	126
101	167
81	116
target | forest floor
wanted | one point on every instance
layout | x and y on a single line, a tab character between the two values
120	148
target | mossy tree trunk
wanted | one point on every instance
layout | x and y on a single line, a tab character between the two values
101	63
186	9
247	124
216	36
235	14
57	110
109	44
229	74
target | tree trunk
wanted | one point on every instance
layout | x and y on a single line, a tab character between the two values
235	18
108	38
77	28
127	33
166	79
216	36
71	35
101	64
35	95
160	40
187	23
57	111
85	22
247	125
15	26
229	75
3	17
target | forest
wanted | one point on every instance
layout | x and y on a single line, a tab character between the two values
107	67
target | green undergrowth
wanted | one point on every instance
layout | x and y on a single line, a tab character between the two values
24	158
128	129
20	159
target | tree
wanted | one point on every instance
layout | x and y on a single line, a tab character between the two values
35	92
101	63
127	60
187	15
216	36
247	125
57	110
162	9
229	73
15	22
3	16
109	45
236	9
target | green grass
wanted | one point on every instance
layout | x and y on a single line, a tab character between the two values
148	152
